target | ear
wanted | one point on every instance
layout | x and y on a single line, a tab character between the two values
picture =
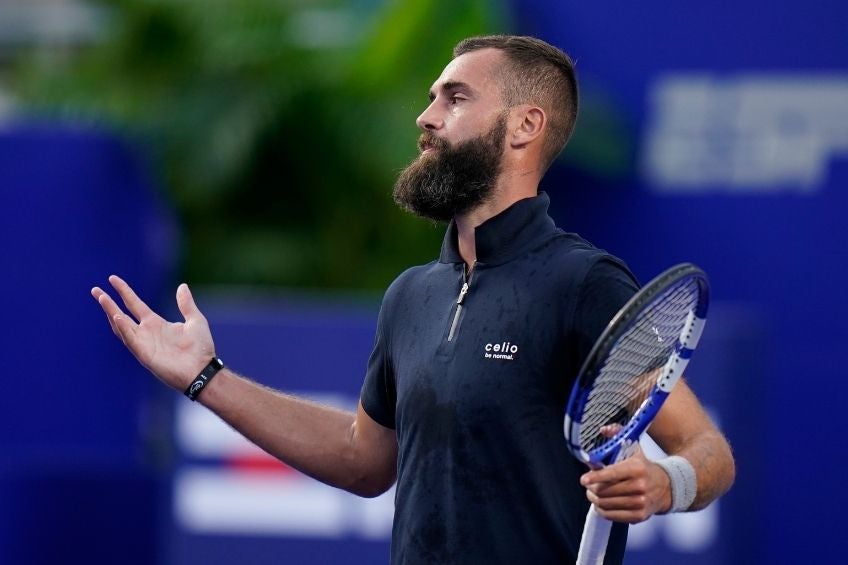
527	123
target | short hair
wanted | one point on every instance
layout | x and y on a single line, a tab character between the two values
540	74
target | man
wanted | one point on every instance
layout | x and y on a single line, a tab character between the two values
475	353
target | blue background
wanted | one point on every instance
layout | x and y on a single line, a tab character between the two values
86	468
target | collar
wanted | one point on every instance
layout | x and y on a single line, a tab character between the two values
516	230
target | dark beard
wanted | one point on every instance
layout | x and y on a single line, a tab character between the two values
452	180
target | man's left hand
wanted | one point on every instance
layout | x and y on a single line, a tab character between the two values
629	491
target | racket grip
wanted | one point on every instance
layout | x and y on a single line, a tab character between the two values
593	544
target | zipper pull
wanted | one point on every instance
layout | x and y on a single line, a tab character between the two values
462	293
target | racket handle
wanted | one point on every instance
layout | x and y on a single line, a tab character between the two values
593	544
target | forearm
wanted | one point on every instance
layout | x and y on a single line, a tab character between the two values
683	428
711	457
319	441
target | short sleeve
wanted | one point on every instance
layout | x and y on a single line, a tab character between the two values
378	396
607	287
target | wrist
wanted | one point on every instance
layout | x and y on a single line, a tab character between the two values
203	378
683	484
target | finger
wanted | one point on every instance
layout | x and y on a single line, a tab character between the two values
630	468
96	292
626	516
113	323
112	326
611	474
634	487
134	304
610	430
110	308
185	302
126	330
617	503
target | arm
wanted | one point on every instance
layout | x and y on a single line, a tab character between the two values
348	451
683	428
636	488
345	450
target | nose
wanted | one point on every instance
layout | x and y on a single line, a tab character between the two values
429	120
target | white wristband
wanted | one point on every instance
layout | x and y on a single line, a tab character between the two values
684	484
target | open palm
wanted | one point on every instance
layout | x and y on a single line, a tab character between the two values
173	351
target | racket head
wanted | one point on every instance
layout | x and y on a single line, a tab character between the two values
634	364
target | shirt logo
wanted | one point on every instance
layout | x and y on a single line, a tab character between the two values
504	350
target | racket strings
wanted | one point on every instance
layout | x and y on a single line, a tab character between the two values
632	367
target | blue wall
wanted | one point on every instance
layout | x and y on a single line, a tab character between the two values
77	476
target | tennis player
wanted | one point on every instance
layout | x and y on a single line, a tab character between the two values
475	354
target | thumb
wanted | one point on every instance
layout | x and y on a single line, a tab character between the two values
186	304
635	450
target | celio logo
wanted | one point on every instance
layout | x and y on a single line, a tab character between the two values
505	350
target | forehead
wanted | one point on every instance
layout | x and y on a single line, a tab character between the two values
478	69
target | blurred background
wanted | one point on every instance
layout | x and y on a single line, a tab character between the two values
249	148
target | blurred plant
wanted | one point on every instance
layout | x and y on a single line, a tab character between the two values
278	126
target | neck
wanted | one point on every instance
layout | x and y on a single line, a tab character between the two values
509	189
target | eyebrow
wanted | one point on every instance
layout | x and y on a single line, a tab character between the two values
450	86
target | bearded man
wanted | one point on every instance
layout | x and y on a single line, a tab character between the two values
475	353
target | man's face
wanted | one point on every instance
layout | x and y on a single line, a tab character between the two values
461	146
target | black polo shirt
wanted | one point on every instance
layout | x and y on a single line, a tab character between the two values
477	391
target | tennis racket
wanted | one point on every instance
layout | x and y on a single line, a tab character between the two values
627	376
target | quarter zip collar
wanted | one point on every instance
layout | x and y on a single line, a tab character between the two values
518	229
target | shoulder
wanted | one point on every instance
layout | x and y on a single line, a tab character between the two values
581	261
570	245
418	282
593	282
406	282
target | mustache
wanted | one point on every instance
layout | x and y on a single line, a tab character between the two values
428	140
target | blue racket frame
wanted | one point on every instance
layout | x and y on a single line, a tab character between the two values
620	444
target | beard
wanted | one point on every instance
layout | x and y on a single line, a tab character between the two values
452	179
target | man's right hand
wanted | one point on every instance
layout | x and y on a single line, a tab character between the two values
174	352
343	449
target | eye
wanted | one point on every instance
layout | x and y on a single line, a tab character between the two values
456	98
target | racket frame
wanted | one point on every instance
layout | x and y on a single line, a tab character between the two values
670	373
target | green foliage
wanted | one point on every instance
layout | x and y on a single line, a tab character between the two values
278	126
